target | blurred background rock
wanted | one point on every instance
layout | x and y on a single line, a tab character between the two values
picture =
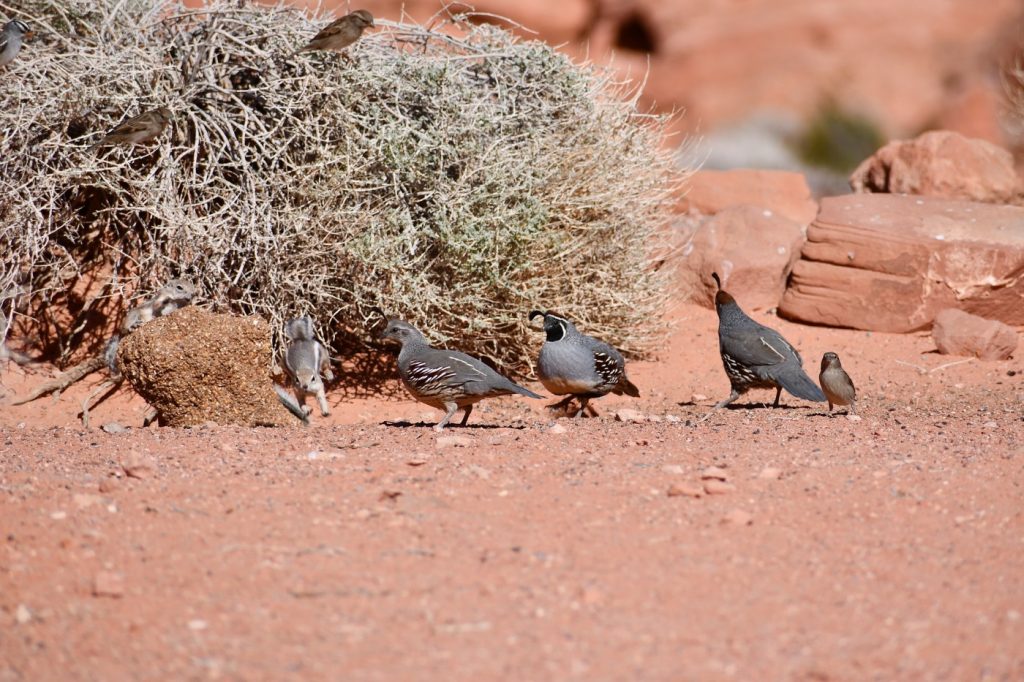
809	85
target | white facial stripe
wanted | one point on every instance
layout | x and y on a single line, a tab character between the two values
463	362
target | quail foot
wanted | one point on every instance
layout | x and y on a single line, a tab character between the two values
836	383
340	33
445	379
579	366
755	356
138	130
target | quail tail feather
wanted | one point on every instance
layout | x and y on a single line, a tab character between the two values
795	380
524	391
628	387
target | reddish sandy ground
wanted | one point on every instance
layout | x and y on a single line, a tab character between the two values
886	548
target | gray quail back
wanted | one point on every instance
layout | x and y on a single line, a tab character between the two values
836	383
579	366
756	356
445	379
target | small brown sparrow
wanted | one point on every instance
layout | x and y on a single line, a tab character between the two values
340	33
836	383
138	130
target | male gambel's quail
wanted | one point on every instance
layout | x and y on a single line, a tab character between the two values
445	379
755	356
836	383
579	365
11	37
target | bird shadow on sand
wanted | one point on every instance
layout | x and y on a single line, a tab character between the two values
451	428
746	406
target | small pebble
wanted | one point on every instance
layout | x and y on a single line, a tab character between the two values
673	469
716	473
685	490
770	473
138	466
628	415
557	429
114	427
443	442
108	584
716	487
196	625
22	615
83	500
738	517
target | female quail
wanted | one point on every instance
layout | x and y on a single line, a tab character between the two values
755	356
445	379
578	365
836	383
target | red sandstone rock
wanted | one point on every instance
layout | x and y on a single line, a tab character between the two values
942	164
958	333
752	248
889	263
783	193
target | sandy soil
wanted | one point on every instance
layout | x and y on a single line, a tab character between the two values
528	548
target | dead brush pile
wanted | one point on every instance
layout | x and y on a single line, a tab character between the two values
456	179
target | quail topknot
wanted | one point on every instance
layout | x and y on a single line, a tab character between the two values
341	32
11	38
445	379
756	356
138	129
579	366
836	383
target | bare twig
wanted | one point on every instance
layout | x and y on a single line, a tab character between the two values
64	379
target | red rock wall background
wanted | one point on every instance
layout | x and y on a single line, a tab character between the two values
908	65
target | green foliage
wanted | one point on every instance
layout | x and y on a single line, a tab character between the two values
838	139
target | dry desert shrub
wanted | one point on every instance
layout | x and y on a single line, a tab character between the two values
452	175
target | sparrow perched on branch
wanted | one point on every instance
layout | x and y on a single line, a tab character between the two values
340	33
138	130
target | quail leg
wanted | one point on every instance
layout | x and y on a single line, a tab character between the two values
830	408
560	405
778	394
732	396
450	407
583	406
465	416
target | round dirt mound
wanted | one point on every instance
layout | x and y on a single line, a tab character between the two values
195	366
